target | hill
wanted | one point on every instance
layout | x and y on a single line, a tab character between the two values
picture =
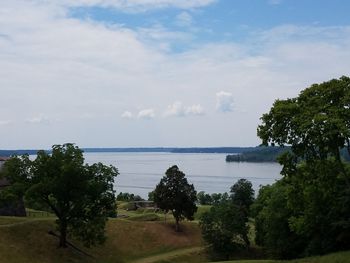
26	240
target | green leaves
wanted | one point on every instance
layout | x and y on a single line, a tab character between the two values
316	123
175	194
80	195
313	206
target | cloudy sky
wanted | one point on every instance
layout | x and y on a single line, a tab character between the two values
128	73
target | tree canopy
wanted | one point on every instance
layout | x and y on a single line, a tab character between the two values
225	226
316	180
316	123
175	194
80	195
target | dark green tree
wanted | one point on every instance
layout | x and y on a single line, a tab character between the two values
316	125
203	198
151	196
80	195
175	194
272	229
242	195
224	228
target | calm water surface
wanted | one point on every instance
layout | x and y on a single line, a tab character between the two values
140	172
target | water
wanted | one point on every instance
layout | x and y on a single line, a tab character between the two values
140	172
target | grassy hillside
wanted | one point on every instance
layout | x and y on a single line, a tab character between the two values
340	257
27	240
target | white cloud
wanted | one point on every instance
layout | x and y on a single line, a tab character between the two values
5	122
41	119
134	5
175	109
178	110
69	66
127	115
194	110
184	19
224	101
146	114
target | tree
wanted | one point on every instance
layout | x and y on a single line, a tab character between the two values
80	195
151	196
316	125
203	198
242	195
175	194
224	228
272	229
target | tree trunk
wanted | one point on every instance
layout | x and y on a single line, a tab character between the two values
63	236
177	225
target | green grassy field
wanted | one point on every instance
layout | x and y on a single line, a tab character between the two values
27	240
135	239
340	257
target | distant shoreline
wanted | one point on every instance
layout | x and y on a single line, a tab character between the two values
228	150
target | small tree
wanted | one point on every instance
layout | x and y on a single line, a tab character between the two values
224	228
242	195
175	194
80	195
203	198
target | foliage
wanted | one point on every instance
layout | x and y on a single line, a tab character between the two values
273	231
80	195
316	125
204	199
127	197
175	194
225	227
151	196
242	195
259	154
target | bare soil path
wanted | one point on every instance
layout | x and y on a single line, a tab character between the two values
168	255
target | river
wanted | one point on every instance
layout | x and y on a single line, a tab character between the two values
140	172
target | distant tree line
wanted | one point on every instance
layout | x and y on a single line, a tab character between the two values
127	197
269	154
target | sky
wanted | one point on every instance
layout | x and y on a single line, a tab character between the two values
172	73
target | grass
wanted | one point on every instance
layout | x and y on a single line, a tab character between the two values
339	257
130	240
28	241
201	210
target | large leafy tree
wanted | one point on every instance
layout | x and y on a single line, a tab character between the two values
225	227
316	125
175	194
80	195
273	231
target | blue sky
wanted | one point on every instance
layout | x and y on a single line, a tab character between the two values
130	73
224	20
